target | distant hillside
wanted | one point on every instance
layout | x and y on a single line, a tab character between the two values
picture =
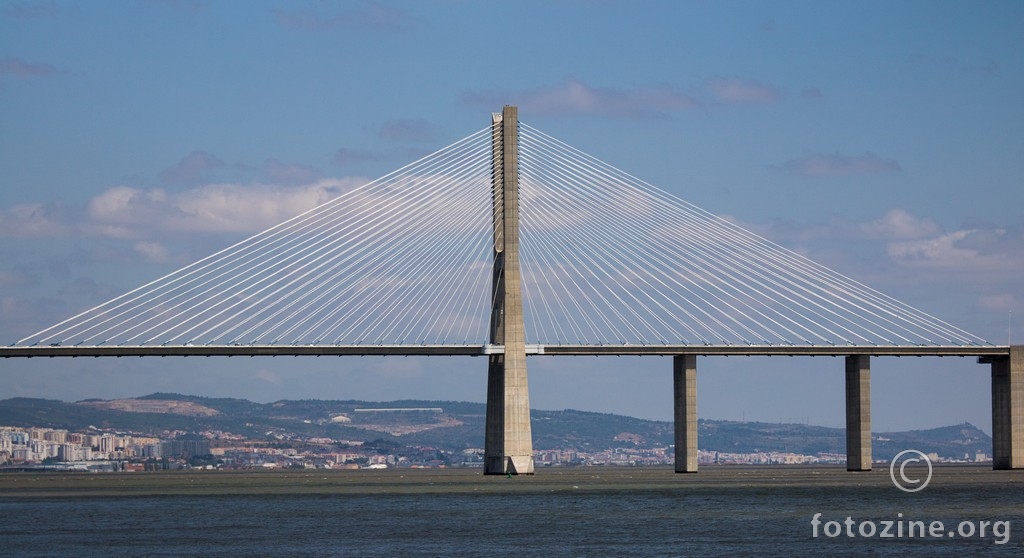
455	426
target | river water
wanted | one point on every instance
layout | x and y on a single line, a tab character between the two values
588	512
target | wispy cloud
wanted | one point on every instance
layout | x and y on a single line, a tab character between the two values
192	168
1001	302
980	67
364	15
152	251
275	171
12	278
188	6
811	93
575	98
735	91
837	164
15	310
200	168
269	377
345	156
31	10
35	220
22	68
408	130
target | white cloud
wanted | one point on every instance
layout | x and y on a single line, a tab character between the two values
898	224
153	251
895	225
136	213
900	247
979	253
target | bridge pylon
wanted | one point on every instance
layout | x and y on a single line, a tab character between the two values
508	440
1008	410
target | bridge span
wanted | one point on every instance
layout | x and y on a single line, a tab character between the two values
988	351
1007	375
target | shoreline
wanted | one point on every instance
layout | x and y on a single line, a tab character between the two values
34	485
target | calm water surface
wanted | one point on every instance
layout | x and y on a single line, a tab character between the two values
604	513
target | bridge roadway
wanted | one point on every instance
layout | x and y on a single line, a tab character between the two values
983	351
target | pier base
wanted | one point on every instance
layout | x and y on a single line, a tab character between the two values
508	443
858	413
1008	410
684	373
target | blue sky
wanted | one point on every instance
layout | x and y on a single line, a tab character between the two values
884	140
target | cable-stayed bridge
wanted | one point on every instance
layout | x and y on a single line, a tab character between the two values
508	243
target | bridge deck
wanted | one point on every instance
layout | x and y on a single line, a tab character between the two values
481	350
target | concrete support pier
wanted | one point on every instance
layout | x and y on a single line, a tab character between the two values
684	374
858	413
508	438
1008	410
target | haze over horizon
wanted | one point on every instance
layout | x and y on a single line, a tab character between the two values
883	141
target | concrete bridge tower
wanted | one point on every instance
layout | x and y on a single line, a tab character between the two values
508	440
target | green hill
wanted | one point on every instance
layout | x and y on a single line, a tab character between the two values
455	426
